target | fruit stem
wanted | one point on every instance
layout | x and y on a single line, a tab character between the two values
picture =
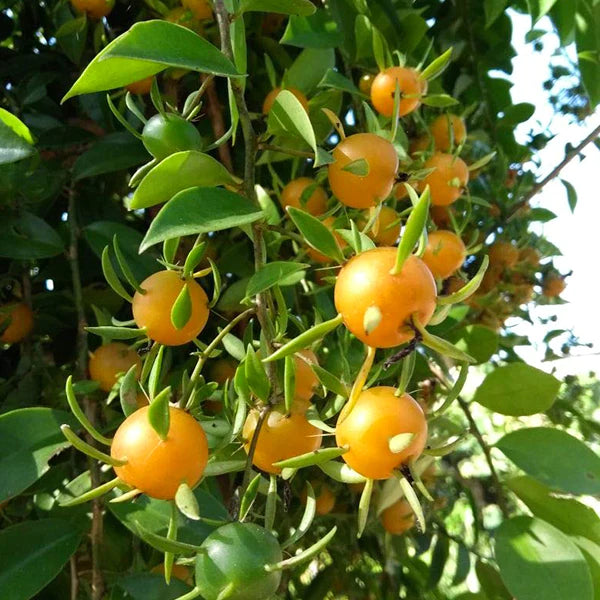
360	380
92	494
88	449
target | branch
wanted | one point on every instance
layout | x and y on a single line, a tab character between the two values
502	503
569	156
89	406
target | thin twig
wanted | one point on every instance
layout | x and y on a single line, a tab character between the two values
214	110
250	151
569	156
290	151
89	406
500	497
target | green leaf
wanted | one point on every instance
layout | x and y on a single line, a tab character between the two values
316	457
437	66
200	210
463	565
128	391
439	557
288	116
539	8
567	514
571	194
337	81
305	339
155	375
16	141
415	226
111	276
317	235
158	413
178	172
316	31
330	381
33	553
151	586
249	496
27	237
341	472
146	49
439	100
117	333
114	152
491	582
182	308
492	10
256	376
309	68
478	341
359	167
517	389
285	7
186	502
554	458
518	113
536	561
275	273
29	438
154	515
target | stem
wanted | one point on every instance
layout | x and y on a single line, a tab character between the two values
359	382
250	150
90	407
74	577
290	151
501	498
569	156
214	110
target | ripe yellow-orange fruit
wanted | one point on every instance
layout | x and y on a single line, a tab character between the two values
363	191
440	215
324	497
95	9
530	256
385	229
503	255
365	83
200	8
222	369
281	437
445	253
178	571
291	195
152	309
141	87
270	99
20	322
383	89
554	286
111	359
365	283
440	130
398	518
449	177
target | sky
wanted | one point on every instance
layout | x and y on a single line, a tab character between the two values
575	234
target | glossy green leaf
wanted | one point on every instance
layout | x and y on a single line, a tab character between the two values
181	310
179	172
286	7
256	376
158	413
200	210
554	458
151	586
437	66
249	496
491	582
154	515
316	234
289	381
518	113
571	194
567	514
111	276
275	273
415	225
128	391
27	237
316	31
308	69
16	142
439	557
463	565
337	81
517	389
33	553
536	561
288	116
29	438
439	100
186	502
478	341
117	333
341	472
493	9
141	51
114	152
315	457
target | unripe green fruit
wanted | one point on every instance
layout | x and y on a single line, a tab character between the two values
237	554
165	135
